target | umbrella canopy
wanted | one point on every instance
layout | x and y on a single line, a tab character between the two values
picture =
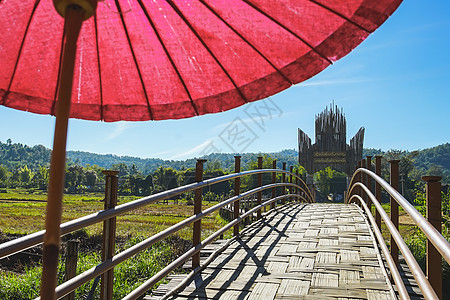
160	59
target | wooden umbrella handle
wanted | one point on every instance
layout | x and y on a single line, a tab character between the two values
73	21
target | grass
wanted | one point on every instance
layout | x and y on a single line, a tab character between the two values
20	286
127	276
23	213
130	274
407	227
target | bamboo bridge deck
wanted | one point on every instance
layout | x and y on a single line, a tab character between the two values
301	251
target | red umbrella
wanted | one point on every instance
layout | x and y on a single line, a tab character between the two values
163	59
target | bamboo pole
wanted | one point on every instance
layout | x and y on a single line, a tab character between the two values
237	191
73	21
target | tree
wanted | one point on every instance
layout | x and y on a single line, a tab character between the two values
251	181
133	184
15	177
134	170
136	185
98	171
166	178
330	181
90	177
220	188
147	185
408	173
122	168
25	175
41	178
186	176
3	173
435	170
74	178
213	165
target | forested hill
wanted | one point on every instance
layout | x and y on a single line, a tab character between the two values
436	156
435	160
15	155
226	160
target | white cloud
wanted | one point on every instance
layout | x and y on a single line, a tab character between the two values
120	128
192	151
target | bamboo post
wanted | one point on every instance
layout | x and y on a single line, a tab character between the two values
434	216
71	264
291	169
258	213
283	189
314	192
109	233
196	236
369	181
364	179
297	190
303	192
394	207
358	190
274	180
237	191
378	189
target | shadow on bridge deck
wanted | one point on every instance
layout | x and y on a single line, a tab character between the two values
314	251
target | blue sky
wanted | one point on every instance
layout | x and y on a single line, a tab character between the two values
396	84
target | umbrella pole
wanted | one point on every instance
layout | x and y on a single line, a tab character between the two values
73	21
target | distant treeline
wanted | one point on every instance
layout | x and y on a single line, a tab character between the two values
149	165
17	155
25	166
430	161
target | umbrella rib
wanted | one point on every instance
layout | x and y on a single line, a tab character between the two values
246	41
99	65
59	72
340	15
287	29
152	24
134	58
20	52
178	11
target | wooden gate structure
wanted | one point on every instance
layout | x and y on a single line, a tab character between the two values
330	148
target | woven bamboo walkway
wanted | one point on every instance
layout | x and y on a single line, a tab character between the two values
302	251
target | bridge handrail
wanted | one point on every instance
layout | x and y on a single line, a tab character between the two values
36	238
441	244
164	272
420	277
108	264
28	241
390	261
